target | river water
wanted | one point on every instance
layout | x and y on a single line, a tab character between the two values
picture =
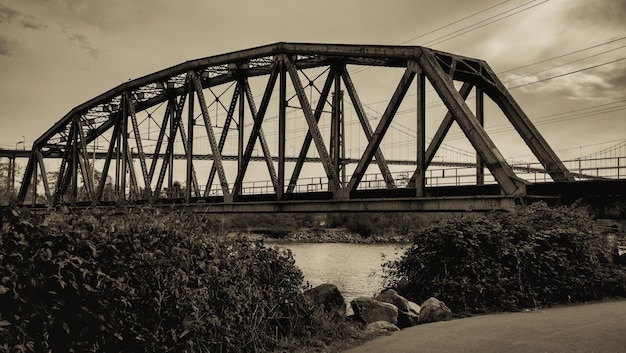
354	268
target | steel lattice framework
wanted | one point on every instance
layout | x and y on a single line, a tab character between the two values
114	118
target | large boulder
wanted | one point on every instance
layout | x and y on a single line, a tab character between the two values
381	326
408	312
371	310
329	297
433	310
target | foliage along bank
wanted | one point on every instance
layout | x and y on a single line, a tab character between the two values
533	257
145	282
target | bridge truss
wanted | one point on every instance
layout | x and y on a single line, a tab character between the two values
181	106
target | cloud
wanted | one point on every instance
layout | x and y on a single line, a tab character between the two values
83	43
604	83
606	13
6	46
8	15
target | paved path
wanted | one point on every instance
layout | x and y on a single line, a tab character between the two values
598	327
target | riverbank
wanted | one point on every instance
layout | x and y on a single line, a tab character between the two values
326	236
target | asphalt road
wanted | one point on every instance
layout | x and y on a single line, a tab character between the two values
597	327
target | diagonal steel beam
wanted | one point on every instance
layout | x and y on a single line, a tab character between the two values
256	128
107	164
223	136
159	143
331	173
169	150
266	151
529	133
83	160
217	156
60	187
133	176
381	129
138	142
443	85
367	127
309	138
186	148
44	179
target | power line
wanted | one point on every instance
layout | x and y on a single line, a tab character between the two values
455	22
569	63
438	41
567	73
562	55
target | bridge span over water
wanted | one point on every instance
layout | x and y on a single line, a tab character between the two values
204	132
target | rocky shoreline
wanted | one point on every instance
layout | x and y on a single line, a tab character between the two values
386	312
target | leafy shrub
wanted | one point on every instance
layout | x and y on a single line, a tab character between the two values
535	256
142	282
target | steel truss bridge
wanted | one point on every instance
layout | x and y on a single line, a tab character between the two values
193	107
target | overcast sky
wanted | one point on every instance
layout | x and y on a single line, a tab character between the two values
57	54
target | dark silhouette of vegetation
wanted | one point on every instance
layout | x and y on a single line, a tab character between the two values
147	281
536	256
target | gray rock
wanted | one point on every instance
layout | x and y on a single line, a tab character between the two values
381	326
371	310
392	297
433	310
408	312
328	296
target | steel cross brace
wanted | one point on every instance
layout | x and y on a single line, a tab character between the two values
379	133
443	85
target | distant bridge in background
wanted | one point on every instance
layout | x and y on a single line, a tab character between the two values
195	135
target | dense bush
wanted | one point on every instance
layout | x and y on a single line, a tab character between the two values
142	282
535	256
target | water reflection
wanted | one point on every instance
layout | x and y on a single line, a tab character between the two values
354	268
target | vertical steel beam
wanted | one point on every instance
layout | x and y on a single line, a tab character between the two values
443	85
241	121
185	143
174	123
480	116
441	133
35	181
282	117
380	131
74	163
331	172
420	171
309	138
9	178
367	128
124	151
335	130
190	125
